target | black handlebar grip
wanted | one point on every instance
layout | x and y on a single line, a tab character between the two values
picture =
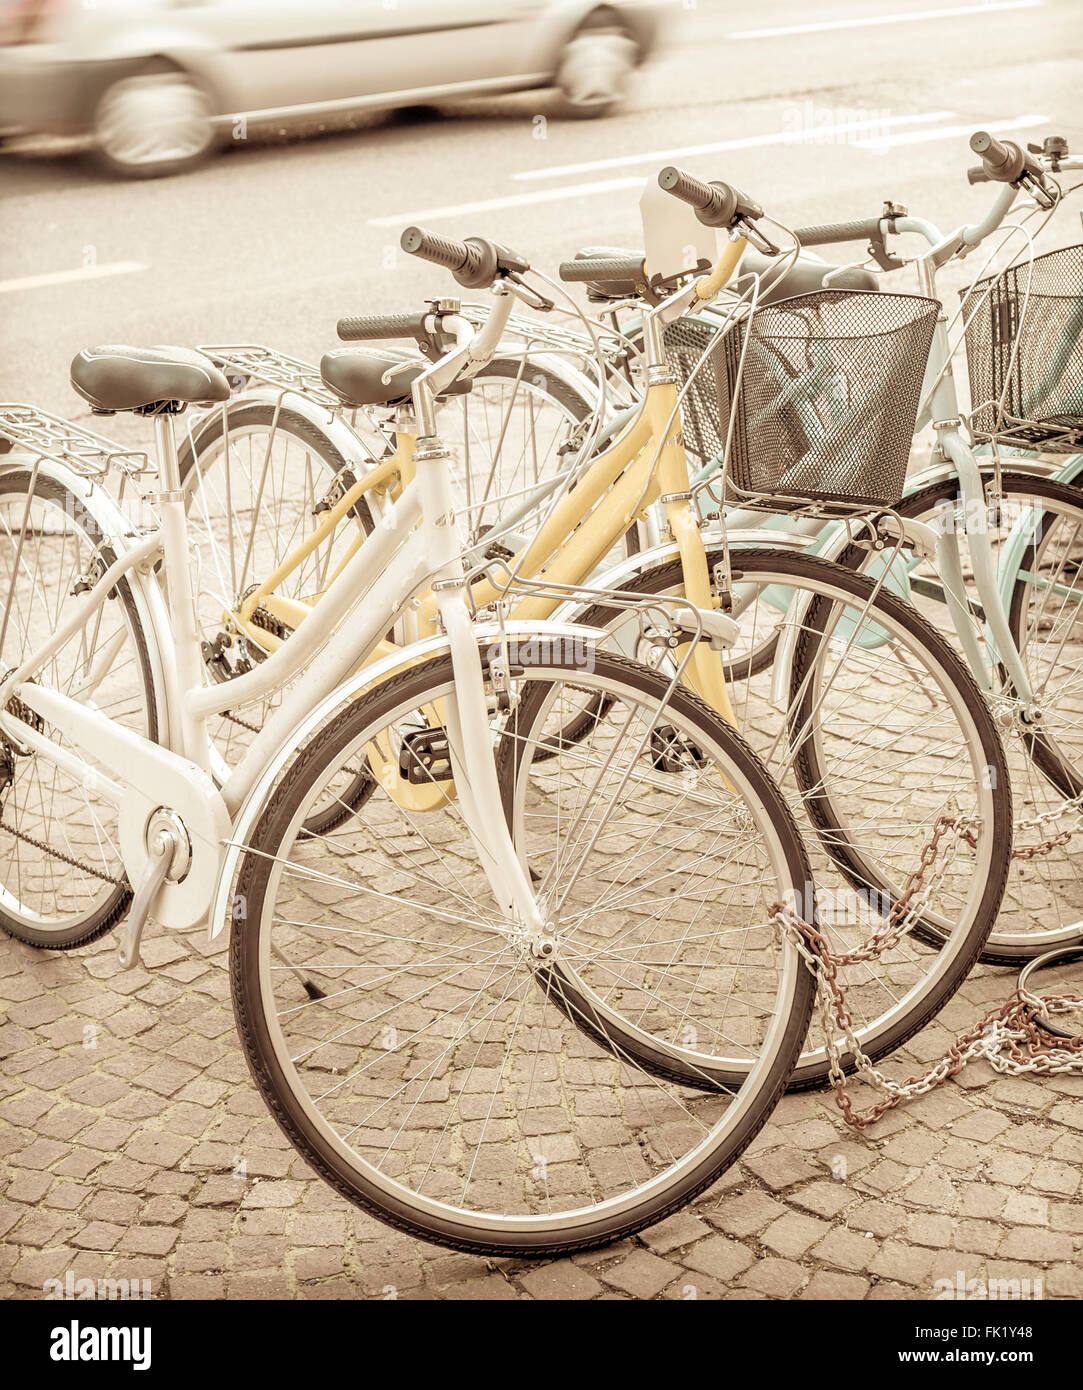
603	269
383	326
830	232
453	255
715	204
1004	163
474	263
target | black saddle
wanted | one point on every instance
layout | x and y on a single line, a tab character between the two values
129	378
805	275
357	375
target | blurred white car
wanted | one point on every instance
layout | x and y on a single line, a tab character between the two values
157	82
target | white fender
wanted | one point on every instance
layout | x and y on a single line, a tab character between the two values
252	807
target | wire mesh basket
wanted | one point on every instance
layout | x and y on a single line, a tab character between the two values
827	399
1024	352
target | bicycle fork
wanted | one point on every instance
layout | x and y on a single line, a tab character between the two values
470	739
942	406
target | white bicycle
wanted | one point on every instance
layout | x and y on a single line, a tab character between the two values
429	898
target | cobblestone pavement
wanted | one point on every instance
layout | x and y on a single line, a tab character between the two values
126	1109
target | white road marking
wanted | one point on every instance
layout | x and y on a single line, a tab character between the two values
516	200
63	277
992	8
809	136
748	142
916	137
585	190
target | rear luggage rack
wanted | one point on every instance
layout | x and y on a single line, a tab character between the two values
265	366
50	437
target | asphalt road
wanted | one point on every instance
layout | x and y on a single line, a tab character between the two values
274	239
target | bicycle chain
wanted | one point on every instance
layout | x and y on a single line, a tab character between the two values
1008	1036
64	858
28	716
236	719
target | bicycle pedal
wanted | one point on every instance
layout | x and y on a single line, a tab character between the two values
671	751
425	757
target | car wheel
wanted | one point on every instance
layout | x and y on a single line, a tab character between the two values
153	123
595	67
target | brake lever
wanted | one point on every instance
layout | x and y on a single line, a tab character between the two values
659	285
1034	184
531	297
748	229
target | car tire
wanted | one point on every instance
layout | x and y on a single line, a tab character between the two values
153	122
595	66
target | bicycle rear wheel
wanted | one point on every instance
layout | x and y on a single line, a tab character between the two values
445	1081
253	493
62	880
1037	531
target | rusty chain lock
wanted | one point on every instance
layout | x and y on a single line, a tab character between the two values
1009	1036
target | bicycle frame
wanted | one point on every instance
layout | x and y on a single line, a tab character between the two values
398	559
646	463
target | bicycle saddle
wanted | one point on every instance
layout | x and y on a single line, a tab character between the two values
130	378
804	276
357	375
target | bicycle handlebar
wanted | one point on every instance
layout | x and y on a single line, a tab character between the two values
475	263
716	204
830	232
370	326
604	269
1001	162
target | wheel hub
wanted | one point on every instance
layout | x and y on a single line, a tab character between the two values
537	945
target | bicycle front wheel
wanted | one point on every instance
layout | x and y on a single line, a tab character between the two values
875	733
446	1079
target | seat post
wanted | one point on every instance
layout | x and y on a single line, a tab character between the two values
166	445
179	585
